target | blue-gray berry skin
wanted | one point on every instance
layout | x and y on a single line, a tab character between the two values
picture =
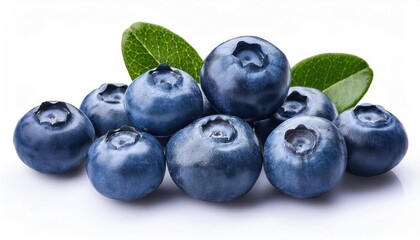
53	137
125	164
215	159
163	100
104	107
300	101
208	109
305	156
246	77
376	140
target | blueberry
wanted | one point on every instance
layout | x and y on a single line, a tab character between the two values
247	77
305	156
163	100
300	101
208	109
125	164
104	107
376	140
53	137
215	159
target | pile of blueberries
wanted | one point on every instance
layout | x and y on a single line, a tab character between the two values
214	138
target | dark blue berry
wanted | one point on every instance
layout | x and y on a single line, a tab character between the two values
305	156
163	100
247	77
215	159
104	107
376	140
53	137
125	164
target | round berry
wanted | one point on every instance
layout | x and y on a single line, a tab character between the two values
53	137
215	159
104	107
376	140
163	100
125	164
305	156
247	77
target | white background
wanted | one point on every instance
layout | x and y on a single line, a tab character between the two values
61	50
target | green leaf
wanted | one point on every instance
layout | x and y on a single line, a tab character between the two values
344	78
145	46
